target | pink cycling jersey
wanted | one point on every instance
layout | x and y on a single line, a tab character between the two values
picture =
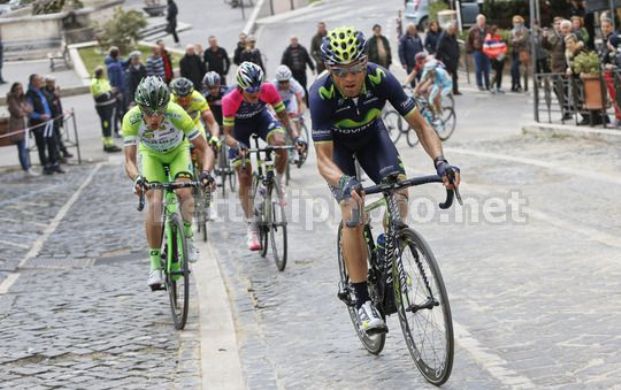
235	108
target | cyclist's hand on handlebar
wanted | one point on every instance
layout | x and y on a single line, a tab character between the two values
139	183
450	174
301	145
207	180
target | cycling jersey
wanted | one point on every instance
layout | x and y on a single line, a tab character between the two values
215	102
176	127
197	105
442	79
234	108
288	96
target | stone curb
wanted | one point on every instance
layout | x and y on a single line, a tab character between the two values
609	135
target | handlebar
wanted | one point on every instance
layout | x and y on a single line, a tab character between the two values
392	187
165	186
268	149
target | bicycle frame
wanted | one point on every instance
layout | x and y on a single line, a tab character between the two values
170	206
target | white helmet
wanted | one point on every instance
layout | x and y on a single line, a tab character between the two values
283	73
430	65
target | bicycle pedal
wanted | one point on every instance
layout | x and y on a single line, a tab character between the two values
159	287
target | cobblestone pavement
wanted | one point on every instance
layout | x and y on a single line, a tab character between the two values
80	314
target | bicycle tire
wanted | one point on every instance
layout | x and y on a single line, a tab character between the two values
260	217
174	277
449	122
420	269
391	121
205	214
277	225
374	344
288	172
411	138
304	129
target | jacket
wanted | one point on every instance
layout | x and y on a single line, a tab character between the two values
237	54
253	55
447	51
556	47
155	67
168	68
494	47
40	106
296	58
116	72
431	41
192	68
56	106
172	11
409	46
374	52
520	40
476	36
315	51
102	92
134	76
17	120
217	61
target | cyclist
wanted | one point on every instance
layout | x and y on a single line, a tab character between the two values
196	106
160	128
291	92
245	113
213	92
437	83
346	107
420	59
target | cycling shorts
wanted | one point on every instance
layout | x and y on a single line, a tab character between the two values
378	157
265	125
436	89
178	160
291	105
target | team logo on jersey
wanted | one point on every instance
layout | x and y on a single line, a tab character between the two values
377	76
326	93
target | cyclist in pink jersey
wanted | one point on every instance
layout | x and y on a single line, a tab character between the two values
244	111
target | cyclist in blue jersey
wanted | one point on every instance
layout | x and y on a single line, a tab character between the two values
346	105
437	83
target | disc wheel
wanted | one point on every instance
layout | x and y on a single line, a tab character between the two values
177	276
423	308
374	344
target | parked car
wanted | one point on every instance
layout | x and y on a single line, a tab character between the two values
417	12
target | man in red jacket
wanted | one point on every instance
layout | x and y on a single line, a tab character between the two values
168	68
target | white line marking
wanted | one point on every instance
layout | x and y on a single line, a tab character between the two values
538	163
38	244
220	363
8	282
491	362
15	244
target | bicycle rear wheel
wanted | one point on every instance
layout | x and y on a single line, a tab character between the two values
178	273
392	121
277	224
372	343
449	122
411	138
423	308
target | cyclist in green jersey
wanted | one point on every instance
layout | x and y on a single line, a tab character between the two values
160	130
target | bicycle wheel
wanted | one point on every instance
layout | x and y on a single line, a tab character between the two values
411	138
260	215
223	168
392	121
423	308
277	226
178	274
449	121
304	132
201	211
372	343
206	206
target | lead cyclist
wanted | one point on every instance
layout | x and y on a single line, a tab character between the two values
346	105
160	130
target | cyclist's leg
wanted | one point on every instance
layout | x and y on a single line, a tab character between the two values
153	171
242	132
292	111
273	132
434	99
181	170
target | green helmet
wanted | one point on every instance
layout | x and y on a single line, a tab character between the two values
152	93
343	45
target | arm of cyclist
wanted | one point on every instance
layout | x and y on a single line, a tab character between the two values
131	168
410	77
206	155
210	121
347	186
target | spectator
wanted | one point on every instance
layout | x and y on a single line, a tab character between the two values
251	53
520	54
609	61
52	93
43	128
241	46
136	71
554	41
155	64
379	48
496	50
171	18
105	104
166	61
577	24
217	59
18	110
192	67
116	75
316	46
541	63
296	58
474	46
399	24
431	38
2	60
447	51
410	44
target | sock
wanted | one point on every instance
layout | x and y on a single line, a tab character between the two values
362	293
187	229
155	256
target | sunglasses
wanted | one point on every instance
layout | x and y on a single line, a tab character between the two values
354	70
252	89
151	112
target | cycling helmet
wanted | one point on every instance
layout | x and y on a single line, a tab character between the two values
430	65
211	79
421	56
343	45
152	93
182	87
283	73
249	76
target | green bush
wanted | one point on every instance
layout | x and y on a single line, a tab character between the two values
44	7
436	7
122	30
587	63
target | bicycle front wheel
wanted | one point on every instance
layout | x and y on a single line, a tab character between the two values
178	273
372	343
277	225
392	121
423	308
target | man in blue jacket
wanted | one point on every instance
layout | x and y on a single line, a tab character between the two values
410	44
116	75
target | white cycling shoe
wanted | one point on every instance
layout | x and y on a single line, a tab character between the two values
370	320
155	279
193	252
252	238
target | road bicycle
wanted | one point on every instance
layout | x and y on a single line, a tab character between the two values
225	170
174	250
404	278
202	207
269	202
294	156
